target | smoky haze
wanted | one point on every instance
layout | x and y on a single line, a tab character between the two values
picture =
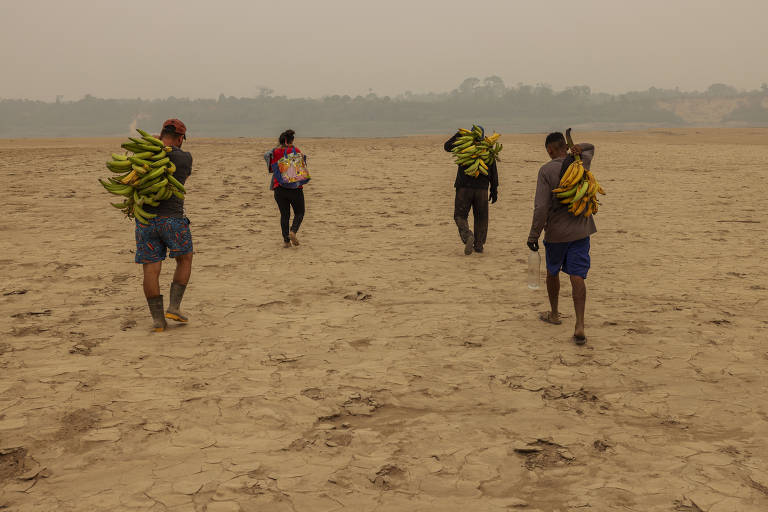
312	48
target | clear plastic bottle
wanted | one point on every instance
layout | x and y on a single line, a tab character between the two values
534	270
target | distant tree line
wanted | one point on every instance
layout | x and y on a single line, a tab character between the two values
518	108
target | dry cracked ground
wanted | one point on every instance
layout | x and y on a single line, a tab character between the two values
375	367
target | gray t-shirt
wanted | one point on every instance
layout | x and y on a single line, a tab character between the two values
174	207
558	223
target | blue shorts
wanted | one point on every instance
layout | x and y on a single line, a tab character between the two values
570	257
161	235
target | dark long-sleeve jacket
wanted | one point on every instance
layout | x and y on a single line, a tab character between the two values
482	181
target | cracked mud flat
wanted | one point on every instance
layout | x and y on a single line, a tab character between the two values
390	372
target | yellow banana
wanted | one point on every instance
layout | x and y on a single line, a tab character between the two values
579	173
129	178
567	175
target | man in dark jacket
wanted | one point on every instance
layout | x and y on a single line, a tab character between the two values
472	193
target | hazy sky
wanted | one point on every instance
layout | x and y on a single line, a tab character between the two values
193	48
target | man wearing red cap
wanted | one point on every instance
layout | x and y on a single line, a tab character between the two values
168	232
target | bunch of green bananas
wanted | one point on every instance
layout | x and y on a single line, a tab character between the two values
476	152
145	176
578	187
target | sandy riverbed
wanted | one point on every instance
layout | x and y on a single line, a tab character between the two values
376	367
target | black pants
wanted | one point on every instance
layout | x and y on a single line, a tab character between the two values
287	198
477	200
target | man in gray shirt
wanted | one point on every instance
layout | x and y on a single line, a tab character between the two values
566	236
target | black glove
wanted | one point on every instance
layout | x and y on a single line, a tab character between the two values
494	196
534	246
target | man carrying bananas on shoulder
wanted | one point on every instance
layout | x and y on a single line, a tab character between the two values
167	232
472	193
566	238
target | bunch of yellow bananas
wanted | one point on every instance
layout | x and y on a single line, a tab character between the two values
146	176
578	188
476	152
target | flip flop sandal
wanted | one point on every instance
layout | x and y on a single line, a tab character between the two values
579	340
545	317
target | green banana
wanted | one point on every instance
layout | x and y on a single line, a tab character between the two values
160	163
568	192
581	192
462	140
155	187
158	196
139	162
138	216
147	137
113	189
472	168
129	146
149	148
157	156
150	176
117	157
121	165
149	183
176	183
463	146
178	194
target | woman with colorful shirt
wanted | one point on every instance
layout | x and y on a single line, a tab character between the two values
287	195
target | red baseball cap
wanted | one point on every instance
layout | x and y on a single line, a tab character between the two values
178	127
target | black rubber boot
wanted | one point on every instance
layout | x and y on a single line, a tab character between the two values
157	310
174	303
469	244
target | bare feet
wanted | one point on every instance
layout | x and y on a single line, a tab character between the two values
550	318
292	236
286	245
579	337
